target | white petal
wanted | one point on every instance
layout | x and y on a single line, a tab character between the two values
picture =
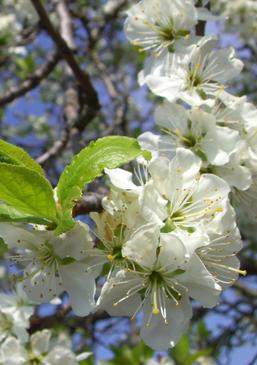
235	174
121	179
201	284
60	356
167	87
80	286
159	335
185	163
75	243
83	356
173	253
172	116
142	245
157	145
41	285
12	352
40	341
116	289
16	236
153	205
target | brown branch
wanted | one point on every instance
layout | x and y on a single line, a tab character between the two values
67	53
104	73
249	264
200	27
90	202
38	323
246	290
55	150
75	118
32	82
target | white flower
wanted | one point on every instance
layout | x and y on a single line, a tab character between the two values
161	26
219	256
240	15
9	26
200	75
12	352
110	5
14	315
206	360
198	131
42	349
240	115
237	113
160	295
25	10
120	218
235	173
177	197
246	202
247	223
158	145
163	273
54	264
122	180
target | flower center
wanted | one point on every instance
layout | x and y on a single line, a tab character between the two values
169	35
194	80
46	255
163	286
116	254
34	359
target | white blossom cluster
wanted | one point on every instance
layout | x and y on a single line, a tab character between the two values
169	230
41	349
167	233
17	348
240	15
15	16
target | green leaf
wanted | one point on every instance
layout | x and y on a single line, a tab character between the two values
27	192
25	66
14	155
181	351
196	355
3	247
10	214
109	152
131	355
203	331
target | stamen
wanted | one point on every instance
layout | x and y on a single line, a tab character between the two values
229	268
110	258
155	310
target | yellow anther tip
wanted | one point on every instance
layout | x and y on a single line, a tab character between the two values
110	258
156	311
243	272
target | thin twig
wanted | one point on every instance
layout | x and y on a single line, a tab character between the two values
55	150
32	82
246	290
67	53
